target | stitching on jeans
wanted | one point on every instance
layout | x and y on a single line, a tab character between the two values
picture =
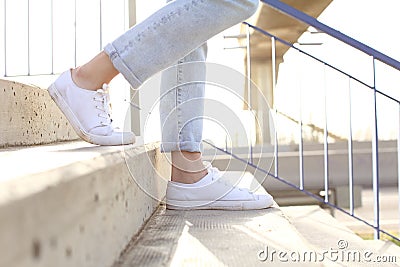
179	79
164	20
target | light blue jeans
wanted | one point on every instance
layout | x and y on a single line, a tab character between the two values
175	36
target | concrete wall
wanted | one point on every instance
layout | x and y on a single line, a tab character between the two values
28	116
83	213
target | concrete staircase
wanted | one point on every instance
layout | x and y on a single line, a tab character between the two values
278	236
302	236
64	202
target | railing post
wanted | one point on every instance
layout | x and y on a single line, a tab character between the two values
326	148
75	35
276	150
29	37
350	155
398	166
52	35
249	89
301	154
101	25
5	38
375	159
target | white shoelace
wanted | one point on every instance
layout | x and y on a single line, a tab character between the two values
216	175
103	97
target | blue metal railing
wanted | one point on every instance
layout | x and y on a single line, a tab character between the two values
375	55
286	9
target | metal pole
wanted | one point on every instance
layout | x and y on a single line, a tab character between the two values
301	154
101	25
326	148
52	35
75	41
5	38
249	89
375	160
276	150
398	167
28	41
350	154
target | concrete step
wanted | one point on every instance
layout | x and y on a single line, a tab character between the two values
216	238
75	204
212	238
28	116
300	236
328	236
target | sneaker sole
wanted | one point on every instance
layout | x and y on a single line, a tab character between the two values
76	125
220	205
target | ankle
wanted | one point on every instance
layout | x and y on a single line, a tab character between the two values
83	79
187	167
184	177
95	73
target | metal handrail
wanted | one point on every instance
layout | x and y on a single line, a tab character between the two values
321	61
376	55
284	8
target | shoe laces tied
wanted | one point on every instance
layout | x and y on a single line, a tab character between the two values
103	96
216	174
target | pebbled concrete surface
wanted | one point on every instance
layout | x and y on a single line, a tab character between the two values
28	116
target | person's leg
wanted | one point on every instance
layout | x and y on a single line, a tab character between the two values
186	165
181	115
147	48
194	185
182	86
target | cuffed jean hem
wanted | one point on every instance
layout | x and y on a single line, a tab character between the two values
120	65
182	146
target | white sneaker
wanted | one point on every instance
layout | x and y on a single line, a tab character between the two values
213	192
88	112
